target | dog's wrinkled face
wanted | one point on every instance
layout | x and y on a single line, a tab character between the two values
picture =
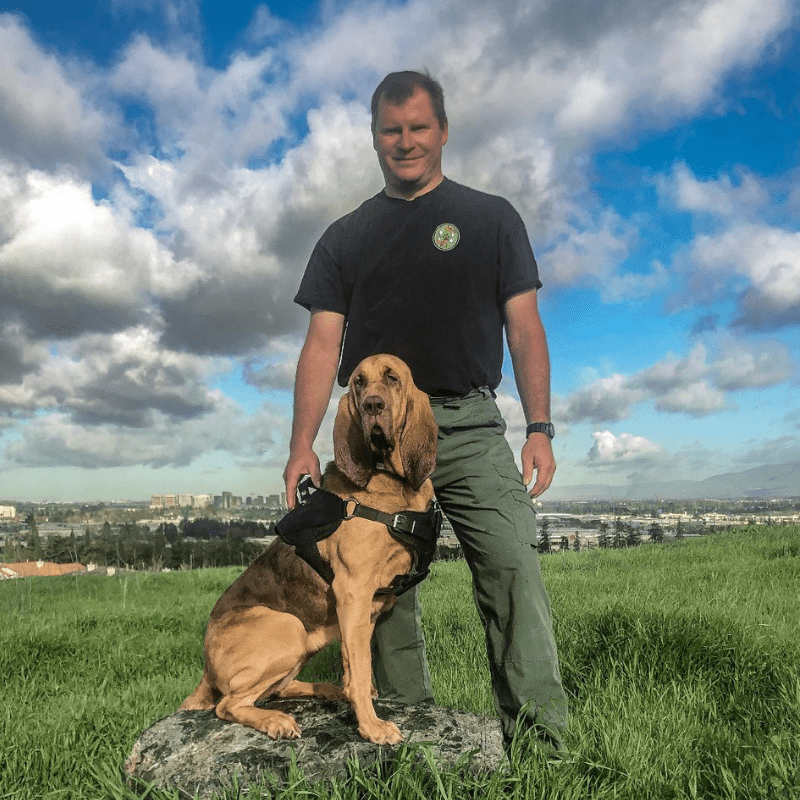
379	388
384	418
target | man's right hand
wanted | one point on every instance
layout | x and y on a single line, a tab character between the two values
299	464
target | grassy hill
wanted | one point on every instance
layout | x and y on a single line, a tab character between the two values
681	660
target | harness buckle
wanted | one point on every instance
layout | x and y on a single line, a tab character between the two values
402	523
354	512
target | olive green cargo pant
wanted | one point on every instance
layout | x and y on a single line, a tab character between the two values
480	490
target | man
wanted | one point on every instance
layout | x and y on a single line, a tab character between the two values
433	272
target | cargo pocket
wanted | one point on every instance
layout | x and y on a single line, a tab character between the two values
505	494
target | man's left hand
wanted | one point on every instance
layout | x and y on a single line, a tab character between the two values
537	456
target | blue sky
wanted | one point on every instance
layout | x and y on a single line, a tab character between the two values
165	169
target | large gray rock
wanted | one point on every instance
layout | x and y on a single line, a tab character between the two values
196	752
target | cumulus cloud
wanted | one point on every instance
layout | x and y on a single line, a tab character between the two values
71	264
693	385
257	439
47	116
604	400
122	379
743	257
609	450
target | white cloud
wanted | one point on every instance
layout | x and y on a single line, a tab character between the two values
721	197
754	261
752	365
627	449
605	400
691	385
46	117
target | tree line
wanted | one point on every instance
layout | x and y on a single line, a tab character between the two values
189	544
624	534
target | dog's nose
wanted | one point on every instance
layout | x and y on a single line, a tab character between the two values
373	405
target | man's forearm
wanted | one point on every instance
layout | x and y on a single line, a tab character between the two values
527	344
316	373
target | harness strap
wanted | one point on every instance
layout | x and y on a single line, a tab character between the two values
320	513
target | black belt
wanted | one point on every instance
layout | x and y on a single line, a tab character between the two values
443	399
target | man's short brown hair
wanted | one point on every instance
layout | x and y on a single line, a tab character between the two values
397	87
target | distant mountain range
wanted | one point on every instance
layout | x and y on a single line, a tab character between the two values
772	480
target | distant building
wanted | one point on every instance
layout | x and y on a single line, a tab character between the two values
185	500
156	501
30	569
201	500
8	512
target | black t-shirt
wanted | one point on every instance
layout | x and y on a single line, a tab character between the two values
425	280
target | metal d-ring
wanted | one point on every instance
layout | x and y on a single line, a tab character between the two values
351	514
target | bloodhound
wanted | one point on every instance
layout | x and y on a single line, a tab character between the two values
280	612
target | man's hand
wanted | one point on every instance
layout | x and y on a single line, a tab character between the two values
299	464
537	455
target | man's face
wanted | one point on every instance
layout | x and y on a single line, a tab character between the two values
408	140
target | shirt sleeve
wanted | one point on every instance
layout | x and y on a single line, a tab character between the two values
518	269
321	286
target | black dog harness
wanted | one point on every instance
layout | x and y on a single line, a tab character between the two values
319	513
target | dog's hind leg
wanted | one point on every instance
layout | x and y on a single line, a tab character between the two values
325	691
255	654
202	698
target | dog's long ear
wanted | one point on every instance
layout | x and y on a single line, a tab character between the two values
418	439
350	451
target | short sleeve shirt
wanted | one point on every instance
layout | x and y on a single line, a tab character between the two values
426	280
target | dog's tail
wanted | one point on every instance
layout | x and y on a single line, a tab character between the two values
202	698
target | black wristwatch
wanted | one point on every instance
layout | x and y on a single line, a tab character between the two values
541	427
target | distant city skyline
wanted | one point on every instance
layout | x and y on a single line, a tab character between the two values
166	169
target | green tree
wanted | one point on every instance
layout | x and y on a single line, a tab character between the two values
602	539
618	539
633	539
544	537
656	533
34	542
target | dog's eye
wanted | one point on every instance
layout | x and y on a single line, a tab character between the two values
392	378
359	381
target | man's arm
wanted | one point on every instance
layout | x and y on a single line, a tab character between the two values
316	372
527	344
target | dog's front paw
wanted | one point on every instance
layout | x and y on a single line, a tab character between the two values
381	732
281	726
328	691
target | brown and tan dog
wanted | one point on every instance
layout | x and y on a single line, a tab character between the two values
280	612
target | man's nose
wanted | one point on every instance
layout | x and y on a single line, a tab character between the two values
406	142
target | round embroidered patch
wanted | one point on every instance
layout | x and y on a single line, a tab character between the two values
446	236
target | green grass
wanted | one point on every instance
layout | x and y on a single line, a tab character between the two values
682	663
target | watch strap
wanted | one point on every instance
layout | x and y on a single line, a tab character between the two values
546	428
